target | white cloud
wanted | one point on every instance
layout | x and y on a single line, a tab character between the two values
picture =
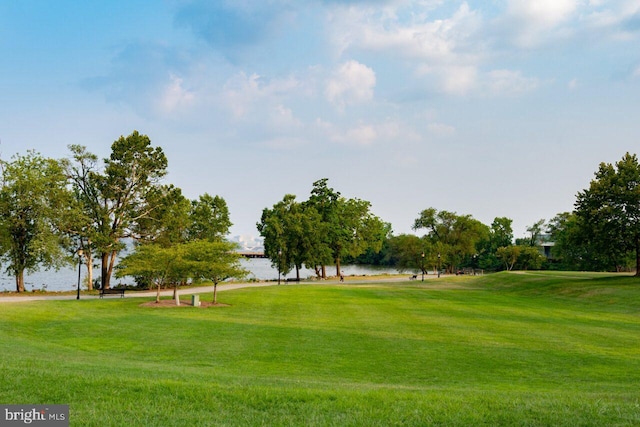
508	82
458	79
352	83
619	20
417	38
444	49
242	92
542	13
365	134
239	93
282	118
361	135
536	22
175	96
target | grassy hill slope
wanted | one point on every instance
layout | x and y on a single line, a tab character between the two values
504	349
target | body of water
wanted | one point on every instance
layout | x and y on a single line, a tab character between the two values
259	268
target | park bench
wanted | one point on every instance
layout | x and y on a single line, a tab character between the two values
293	279
114	291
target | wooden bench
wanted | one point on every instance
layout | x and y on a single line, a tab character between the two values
115	291
293	279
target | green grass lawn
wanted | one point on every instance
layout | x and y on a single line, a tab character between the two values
509	349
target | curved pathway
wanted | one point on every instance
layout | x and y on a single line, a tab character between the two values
205	289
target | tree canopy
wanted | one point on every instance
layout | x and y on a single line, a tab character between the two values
192	261
453	236
319	231
120	195
33	196
609	212
50	208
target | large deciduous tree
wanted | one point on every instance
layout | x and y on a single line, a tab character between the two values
348	226
33	194
116	198
290	232
454	236
609	210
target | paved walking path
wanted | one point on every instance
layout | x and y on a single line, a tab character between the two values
203	289
132	294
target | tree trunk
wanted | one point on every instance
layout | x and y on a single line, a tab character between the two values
338	267
20	281
112	263
104	270
324	272
89	262
175	295
297	273
158	294
637	256
215	292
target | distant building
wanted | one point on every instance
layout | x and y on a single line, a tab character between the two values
249	243
547	249
545	245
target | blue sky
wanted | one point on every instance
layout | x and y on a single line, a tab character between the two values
488	108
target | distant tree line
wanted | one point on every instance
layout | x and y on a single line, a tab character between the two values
328	229
54	211
602	233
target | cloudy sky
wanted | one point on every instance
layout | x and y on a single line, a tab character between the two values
488	108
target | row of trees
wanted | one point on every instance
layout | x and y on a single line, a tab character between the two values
53	210
49	209
320	231
452	242
330	229
602	233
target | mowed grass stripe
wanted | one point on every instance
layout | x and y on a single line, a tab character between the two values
496	350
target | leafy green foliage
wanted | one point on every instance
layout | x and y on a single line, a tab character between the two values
609	213
292	235
160	265
209	218
212	261
195	261
500	235
117	199
33	198
412	252
324	229
454	237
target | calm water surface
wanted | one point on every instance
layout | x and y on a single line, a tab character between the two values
260	269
